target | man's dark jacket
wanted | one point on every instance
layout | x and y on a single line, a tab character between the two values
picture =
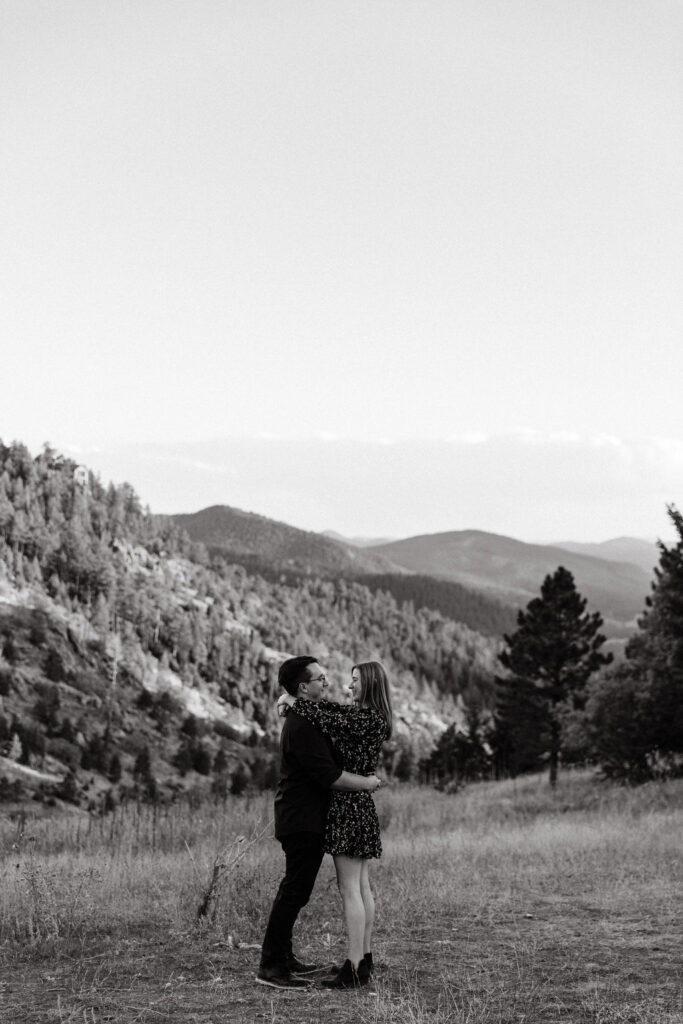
307	770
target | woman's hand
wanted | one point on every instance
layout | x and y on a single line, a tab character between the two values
284	703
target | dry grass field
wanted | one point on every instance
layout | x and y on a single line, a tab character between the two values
501	904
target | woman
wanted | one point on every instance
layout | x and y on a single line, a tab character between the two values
352	834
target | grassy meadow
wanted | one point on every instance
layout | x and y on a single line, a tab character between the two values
501	904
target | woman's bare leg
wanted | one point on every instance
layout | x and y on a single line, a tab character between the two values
348	879
369	904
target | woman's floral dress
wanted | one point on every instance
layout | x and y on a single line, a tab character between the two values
358	733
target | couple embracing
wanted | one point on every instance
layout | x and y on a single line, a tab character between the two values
328	758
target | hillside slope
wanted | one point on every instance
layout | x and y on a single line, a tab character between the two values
133	663
280	552
239	533
514	571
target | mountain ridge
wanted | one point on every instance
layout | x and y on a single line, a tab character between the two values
633	550
514	570
489	566
279	551
249	533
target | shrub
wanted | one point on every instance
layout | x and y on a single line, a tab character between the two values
240	780
90	682
114	770
68	753
201	759
68	789
9	651
624	724
11	791
54	666
5	681
38	631
228	732
46	708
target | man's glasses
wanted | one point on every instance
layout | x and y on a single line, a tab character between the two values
318	679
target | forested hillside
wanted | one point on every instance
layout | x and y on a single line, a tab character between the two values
239	533
133	661
278	551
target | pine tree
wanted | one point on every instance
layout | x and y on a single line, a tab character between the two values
240	779
201	759
143	774
220	762
97	751
15	749
68	788
143	763
9	651
66	730
182	759
618	727
54	666
459	754
46	708
636	714
114	772
403	766
5	681
657	651
549	658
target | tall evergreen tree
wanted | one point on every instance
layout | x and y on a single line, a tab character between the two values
651	683
550	657
658	648
143	763
115	769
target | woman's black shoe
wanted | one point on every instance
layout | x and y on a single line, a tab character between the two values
349	976
368	960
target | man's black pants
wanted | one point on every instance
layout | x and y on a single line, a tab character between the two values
304	854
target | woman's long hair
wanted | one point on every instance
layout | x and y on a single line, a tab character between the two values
374	691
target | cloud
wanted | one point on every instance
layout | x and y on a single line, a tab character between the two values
469	437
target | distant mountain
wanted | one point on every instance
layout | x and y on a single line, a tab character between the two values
242	534
621	549
513	571
357	542
283	553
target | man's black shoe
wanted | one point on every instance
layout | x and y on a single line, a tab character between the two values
279	977
295	966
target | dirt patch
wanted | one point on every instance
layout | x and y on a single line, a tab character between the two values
543	965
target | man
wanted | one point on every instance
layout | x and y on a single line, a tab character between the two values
308	772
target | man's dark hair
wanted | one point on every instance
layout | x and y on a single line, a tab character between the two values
294	671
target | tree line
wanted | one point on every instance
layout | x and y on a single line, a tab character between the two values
560	698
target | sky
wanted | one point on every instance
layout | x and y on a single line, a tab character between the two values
431	253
